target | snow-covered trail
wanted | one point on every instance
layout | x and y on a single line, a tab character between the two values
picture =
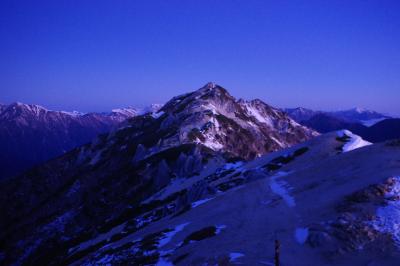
282	188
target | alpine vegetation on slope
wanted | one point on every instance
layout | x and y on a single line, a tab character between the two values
157	165
31	134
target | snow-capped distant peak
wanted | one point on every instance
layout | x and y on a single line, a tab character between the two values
27	108
73	113
359	110
152	108
125	111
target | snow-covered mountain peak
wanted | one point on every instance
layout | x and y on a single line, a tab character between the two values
19	109
360	110
152	108
30	107
129	111
210	116
73	113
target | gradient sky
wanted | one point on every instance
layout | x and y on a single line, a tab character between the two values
97	55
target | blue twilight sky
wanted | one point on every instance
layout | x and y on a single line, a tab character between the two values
97	55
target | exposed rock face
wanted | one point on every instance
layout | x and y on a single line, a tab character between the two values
112	180
212	117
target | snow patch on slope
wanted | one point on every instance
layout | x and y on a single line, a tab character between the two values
200	202
301	235
219	228
169	235
388	217
353	143
254	112
157	115
281	188
371	122
73	113
234	256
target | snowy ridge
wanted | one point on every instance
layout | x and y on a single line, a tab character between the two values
252	110
353	142
281	188
73	113
125	111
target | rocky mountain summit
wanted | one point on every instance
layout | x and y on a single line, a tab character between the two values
53	209
212	117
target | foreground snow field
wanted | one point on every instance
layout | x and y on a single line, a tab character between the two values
323	209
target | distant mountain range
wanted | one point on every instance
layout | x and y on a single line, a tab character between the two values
31	134
207	179
370	125
355	115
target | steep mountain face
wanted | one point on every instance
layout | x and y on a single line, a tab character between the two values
212	117
31	134
50	211
333	200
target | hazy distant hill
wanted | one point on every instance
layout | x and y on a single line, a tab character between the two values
384	130
355	115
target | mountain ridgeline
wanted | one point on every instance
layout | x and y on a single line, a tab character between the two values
355	115
51	209
31	134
